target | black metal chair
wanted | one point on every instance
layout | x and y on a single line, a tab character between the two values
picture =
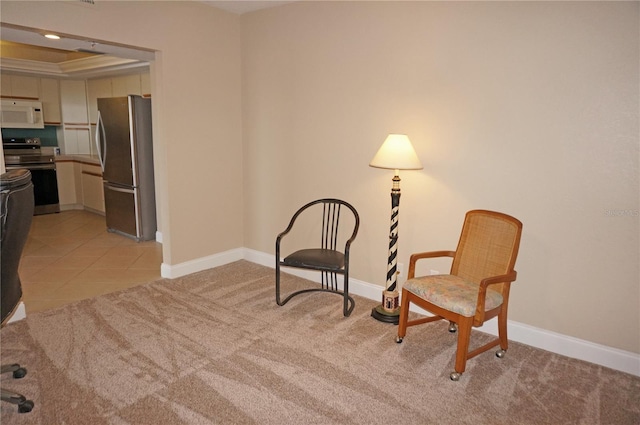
17	205
326	259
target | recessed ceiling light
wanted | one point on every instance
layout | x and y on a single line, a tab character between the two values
52	36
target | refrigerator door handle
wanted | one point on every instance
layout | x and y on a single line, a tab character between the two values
120	189
102	156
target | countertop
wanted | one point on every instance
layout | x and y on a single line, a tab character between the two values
87	159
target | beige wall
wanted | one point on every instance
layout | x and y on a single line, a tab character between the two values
526	108
196	108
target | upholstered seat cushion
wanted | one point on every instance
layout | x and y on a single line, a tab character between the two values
452	293
321	259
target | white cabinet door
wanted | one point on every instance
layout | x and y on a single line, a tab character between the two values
97	89
19	86
145	84
92	188
50	98
5	85
126	85
73	96
77	140
26	87
66	184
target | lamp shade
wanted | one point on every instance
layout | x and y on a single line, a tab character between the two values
396	153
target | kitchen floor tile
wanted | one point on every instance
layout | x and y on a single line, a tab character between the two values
70	256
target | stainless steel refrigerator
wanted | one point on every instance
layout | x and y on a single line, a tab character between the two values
125	148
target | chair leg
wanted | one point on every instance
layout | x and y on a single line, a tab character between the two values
502	334
404	316
464	335
345	307
18	372
278	283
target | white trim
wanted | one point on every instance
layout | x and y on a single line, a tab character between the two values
19	314
569	346
201	264
565	345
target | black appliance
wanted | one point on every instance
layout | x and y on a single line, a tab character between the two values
27	153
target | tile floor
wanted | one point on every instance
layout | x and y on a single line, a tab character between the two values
70	256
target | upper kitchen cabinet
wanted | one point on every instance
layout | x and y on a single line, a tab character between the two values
73	94
75	117
115	87
50	98
19	87
97	89
126	85
145	84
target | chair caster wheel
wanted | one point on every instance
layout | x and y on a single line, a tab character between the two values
398	340
501	353
455	376
452	327
19	373
25	407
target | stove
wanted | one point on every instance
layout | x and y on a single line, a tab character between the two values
21	151
27	153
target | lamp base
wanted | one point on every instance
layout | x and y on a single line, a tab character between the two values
379	313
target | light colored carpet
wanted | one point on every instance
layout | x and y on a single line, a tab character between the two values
214	348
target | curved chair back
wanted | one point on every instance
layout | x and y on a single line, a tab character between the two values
327	257
330	222
17	205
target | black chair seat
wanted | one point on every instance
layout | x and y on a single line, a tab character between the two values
326	259
320	259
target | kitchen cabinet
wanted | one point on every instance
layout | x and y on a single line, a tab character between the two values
73	96
77	140
80	185
5	85
75	117
126	85
115	87
97	89
19	86
66	184
92	188
50	98
145	84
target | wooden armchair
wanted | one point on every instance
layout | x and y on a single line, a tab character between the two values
477	288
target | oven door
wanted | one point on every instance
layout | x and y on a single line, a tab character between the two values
45	187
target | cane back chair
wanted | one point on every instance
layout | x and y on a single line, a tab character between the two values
477	288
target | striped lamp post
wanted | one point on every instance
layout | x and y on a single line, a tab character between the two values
396	153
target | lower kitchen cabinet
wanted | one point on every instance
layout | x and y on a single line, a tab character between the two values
67	188
80	185
92	189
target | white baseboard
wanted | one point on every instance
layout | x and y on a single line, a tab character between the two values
613	358
201	264
19	313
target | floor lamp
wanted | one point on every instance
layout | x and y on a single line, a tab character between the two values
396	153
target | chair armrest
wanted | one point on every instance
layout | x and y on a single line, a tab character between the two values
509	277
482	293
421	255
288	229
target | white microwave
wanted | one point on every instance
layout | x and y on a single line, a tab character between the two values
21	114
